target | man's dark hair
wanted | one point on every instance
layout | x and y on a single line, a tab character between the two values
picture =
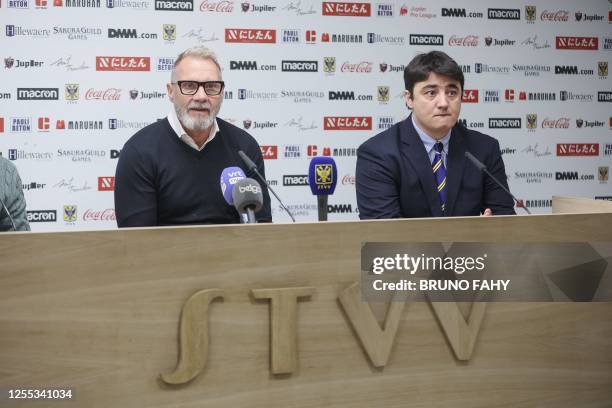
422	65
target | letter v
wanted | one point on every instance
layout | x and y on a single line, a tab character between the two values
460	334
193	337
376	341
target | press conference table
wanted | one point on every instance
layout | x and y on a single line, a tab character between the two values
109	315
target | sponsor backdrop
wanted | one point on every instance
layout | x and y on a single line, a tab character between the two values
305	78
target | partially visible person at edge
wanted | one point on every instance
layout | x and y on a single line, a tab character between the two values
418	168
168	172
13	201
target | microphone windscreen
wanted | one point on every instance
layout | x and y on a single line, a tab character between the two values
247	193
229	177
322	175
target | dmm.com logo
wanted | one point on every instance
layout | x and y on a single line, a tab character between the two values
250	35
123	63
338	8
577	149
577	43
347	123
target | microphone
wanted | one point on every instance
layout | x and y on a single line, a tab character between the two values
480	166
322	178
8	213
251	166
248	198
229	177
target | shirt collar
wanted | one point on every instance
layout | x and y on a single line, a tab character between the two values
429	141
176	125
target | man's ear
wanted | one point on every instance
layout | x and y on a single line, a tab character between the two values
170	90
408	99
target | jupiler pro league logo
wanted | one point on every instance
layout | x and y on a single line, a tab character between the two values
8	62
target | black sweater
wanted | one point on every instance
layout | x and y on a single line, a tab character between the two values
160	180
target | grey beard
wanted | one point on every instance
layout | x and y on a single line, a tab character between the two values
193	124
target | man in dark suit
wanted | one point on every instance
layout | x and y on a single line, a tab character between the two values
418	168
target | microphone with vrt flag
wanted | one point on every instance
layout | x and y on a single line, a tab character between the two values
322	178
229	177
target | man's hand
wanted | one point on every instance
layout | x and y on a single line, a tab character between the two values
487	213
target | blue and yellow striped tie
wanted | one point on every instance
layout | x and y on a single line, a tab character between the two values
440	173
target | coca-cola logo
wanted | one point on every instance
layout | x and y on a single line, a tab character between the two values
110	94
99	215
123	63
577	43
347	123
559	15
217	6
248	35
363	66
348	179
467	41
561	123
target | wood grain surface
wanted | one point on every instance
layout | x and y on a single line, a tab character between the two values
99	312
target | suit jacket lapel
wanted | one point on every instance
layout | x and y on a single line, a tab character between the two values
455	167
411	147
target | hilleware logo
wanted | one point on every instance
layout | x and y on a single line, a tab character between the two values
103	215
347	123
470	96
269	152
577	149
577	43
106	183
336	8
250	35
123	63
